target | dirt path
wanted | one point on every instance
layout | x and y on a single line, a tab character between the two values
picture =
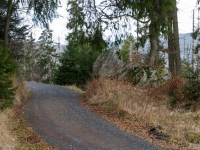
56	115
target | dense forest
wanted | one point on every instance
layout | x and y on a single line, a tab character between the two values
88	21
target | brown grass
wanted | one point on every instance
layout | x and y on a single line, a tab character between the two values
75	89
6	137
148	108
14	130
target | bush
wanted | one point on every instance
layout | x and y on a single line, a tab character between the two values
7	70
174	88
192	89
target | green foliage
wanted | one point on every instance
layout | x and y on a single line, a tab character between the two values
116	17
191	90
123	54
26	62
195	35
44	11
46	57
39	60
88	32
76	66
7	70
76	63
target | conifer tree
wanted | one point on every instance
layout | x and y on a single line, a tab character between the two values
117	16
27	60
46	57
7	70
76	62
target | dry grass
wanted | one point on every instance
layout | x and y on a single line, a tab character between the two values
25	135
75	89
6	137
149	110
14	131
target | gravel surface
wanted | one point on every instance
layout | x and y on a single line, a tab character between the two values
55	113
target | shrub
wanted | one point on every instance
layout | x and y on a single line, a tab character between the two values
174	88
191	90
7	69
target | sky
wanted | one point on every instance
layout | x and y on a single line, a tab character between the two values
185	15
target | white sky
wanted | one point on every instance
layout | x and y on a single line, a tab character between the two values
185	20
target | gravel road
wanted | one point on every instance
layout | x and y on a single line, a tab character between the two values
55	113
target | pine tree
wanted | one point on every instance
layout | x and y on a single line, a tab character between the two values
39	59
77	60
43	12
117	16
46	57
7	70
27	60
75	65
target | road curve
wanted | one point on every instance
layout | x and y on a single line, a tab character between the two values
56	115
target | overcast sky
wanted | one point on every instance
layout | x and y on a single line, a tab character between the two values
185	8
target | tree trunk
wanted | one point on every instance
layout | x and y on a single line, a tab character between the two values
154	46
173	43
6	34
176	42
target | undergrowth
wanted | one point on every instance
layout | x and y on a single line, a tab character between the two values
26	138
160	110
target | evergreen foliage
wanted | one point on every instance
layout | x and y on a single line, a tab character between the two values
7	70
27	60
129	44
117	16
39	59
75	63
191	89
46	57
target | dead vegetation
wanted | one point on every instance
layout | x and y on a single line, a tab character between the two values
14	130
149	113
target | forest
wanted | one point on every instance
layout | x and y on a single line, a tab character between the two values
88	22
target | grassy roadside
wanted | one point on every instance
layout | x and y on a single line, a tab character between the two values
143	114
14	130
75	89
26	137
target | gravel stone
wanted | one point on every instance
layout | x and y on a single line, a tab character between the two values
55	113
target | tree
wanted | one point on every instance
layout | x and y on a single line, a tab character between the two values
43	12
38	60
173	43
27	60
76	62
46	57
117	17
16	31
7	69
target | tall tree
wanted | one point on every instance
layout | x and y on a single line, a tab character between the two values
76	62
43	12
117	16
46	57
16	32
7	69
27	60
173	43
38	60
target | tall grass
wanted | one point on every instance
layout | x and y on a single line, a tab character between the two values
150	107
